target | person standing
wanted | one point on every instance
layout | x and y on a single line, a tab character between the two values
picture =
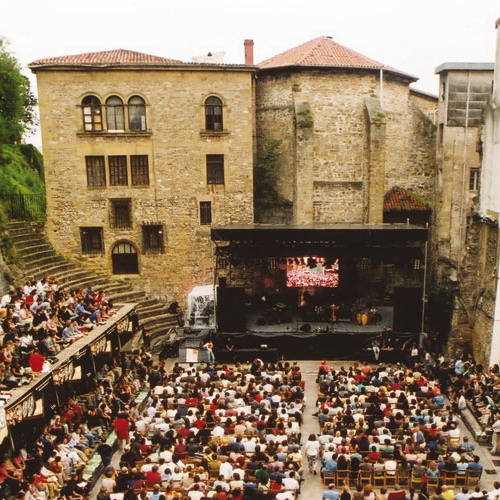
122	426
312	452
209	348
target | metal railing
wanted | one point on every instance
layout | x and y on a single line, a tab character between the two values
24	207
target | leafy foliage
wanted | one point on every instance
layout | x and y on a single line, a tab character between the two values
265	194
16	99
21	170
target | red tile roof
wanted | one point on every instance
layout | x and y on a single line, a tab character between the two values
116	57
401	200
323	51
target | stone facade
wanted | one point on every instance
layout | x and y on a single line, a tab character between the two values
346	139
176	144
343	146
462	259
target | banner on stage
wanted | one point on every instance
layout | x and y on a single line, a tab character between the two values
191	355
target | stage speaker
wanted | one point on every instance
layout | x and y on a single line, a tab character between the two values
407	309
306	327
231	309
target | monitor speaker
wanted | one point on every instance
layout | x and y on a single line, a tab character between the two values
231	309
407	309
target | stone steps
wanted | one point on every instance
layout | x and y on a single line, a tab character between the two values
38	258
161	320
27	245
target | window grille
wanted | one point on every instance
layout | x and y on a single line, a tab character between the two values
215	169
118	170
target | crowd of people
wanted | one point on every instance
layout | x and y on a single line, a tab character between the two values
51	466
40	319
391	425
222	432
474	387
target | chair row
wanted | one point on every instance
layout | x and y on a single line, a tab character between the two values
400	477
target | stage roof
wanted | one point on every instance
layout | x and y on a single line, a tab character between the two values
334	233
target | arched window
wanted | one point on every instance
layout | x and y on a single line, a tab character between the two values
124	258
213	114
137	113
92	114
114	113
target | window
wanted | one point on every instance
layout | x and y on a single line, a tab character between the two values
215	169
121	213
365	263
222	262
417	264
137	113
213	114
205	212
92	240
272	264
474	179
96	171
114	114
152	238
118	171
92	114
139	170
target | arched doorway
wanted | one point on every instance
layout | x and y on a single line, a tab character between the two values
124	258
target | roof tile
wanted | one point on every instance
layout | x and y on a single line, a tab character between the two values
323	51
107	57
401	200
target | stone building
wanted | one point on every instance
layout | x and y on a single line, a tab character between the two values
142	155
477	315
465	89
487	340
351	130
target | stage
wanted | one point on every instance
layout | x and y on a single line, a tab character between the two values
297	324
334	341
311	291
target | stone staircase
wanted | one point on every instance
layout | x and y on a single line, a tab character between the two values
37	258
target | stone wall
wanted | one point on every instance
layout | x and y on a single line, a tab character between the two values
176	147
475	308
327	141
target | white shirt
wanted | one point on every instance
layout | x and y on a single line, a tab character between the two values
290	483
6	300
312	448
226	470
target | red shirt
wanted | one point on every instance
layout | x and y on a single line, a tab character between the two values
36	362
153	478
121	427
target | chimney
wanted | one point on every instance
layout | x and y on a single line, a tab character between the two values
496	74
249	52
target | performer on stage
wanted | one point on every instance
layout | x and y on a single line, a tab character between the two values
209	348
229	344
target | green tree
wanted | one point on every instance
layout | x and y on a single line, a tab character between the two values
17	102
265	193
